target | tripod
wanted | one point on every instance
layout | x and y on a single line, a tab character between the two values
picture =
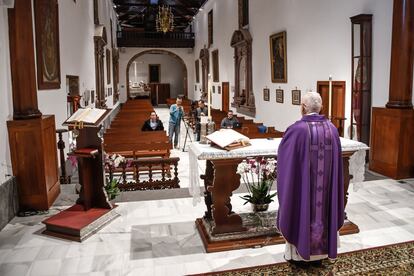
187	134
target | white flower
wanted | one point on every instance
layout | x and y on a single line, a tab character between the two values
242	168
118	160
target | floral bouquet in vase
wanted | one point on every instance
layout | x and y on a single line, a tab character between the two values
258	175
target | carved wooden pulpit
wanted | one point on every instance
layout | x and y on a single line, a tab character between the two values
92	209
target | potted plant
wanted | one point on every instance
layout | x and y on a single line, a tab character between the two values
258	175
111	163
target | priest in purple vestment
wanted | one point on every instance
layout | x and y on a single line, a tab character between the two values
310	185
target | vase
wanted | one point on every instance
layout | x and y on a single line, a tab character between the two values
260	207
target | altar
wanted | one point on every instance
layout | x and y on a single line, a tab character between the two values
221	228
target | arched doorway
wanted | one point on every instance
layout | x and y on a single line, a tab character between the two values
157	51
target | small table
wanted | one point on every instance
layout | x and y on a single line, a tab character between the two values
220	180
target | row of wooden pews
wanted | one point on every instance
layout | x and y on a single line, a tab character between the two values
147	152
249	128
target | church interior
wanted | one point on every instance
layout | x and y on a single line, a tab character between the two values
112	161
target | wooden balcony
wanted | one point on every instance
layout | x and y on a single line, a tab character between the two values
155	39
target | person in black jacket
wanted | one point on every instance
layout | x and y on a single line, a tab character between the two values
153	124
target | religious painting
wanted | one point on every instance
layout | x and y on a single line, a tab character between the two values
279	95
219	89
296	97
47	44
154	73
108	66
215	66
278	57
266	94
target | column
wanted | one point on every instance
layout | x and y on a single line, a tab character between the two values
402	53
22	61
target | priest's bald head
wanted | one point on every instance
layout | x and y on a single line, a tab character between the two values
311	103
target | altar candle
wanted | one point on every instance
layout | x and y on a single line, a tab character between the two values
330	97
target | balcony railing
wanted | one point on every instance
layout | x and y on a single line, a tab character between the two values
155	39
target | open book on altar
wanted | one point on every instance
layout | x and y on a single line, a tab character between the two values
228	139
89	116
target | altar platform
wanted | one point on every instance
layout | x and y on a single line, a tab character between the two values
158	237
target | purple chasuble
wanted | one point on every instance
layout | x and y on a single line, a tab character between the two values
310	186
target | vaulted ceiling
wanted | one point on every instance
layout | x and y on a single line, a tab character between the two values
141	14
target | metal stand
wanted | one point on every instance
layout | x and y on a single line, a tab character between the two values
187	134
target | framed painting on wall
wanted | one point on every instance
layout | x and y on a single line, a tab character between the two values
278	57
296	97
47	44
279	95
266	94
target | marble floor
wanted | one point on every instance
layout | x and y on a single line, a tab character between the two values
158	237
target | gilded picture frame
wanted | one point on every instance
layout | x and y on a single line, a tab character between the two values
46	13
278	57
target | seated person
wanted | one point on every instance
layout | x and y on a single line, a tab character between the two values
230	121
153	124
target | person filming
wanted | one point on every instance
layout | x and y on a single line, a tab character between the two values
176	113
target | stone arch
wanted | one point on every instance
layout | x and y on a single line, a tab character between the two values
158	51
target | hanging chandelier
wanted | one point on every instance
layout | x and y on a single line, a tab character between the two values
165	19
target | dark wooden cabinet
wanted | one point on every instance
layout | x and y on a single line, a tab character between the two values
35	164
160	92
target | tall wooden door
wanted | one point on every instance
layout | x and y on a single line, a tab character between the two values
225	90
338	102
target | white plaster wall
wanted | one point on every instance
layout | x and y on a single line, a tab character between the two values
318	45
6	104
171	71
76	32
225	22
126	54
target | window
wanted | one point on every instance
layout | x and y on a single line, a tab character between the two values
154	73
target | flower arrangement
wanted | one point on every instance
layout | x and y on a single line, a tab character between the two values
258	174
111	163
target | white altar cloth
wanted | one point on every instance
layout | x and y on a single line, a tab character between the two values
264	147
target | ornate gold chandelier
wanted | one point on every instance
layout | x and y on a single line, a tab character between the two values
165	19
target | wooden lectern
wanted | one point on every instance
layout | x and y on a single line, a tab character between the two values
92	209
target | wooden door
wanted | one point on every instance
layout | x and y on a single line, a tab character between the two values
338	102
225	96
